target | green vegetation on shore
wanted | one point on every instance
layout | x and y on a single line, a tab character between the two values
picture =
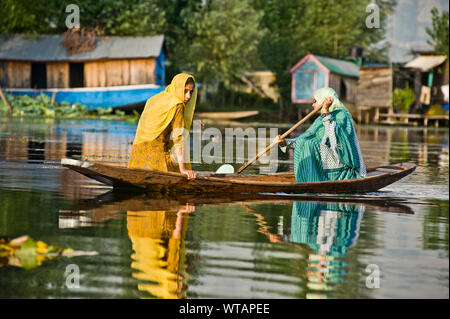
41	106
403	98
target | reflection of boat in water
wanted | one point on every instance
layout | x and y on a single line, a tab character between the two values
150	180
94	211
157	231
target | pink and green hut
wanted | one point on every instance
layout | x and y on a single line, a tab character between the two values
314	72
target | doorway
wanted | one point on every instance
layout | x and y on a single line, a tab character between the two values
76	75
38	76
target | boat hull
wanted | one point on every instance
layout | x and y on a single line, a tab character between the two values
149	180
97	97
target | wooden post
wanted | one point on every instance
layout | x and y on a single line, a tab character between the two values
377	114
5	102
53	98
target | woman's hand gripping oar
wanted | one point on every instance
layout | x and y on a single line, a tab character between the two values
303	120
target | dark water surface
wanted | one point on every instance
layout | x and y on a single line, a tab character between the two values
151	247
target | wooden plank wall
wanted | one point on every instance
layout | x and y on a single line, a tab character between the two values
142	71
374	87
119	72
18	74
445	68
334	82
96	73
2	72
351	85
57	75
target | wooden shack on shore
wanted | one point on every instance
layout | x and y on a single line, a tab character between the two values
432	76
43	62
374	86
374	92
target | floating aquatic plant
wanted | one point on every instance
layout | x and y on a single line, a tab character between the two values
27	253
41	105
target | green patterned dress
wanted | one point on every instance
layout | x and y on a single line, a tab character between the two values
329	150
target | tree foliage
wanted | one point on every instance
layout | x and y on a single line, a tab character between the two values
403	98
219	39
439	31
28	16
115	17
325	27
227	34
178	16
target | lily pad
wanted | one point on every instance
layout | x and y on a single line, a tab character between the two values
27	254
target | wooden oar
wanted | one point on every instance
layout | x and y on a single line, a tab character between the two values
303	120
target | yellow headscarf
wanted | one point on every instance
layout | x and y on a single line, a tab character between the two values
160	109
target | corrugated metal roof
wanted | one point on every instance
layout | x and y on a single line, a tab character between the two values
342	67
426	62
50	48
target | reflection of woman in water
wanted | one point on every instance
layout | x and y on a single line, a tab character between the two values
158	241
329	229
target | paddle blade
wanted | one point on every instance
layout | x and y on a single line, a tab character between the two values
225	169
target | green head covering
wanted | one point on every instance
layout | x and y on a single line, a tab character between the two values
321	94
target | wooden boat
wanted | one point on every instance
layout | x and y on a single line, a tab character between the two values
226	115
150	180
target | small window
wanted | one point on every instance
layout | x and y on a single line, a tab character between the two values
76	75
306	83
38	76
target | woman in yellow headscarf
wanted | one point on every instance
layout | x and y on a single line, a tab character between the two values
160	141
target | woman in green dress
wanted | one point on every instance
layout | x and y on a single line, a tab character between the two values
329	149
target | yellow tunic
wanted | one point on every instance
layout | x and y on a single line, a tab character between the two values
156	154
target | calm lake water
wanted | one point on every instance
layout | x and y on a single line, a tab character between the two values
151	247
